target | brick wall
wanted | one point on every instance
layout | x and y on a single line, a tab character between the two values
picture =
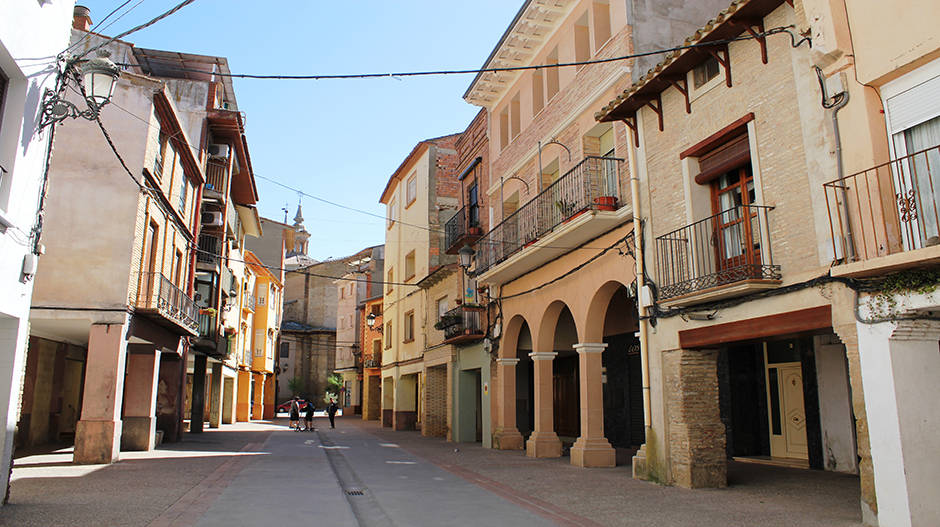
696	434
436	402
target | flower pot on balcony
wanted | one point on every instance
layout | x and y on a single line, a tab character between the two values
606	202
475	231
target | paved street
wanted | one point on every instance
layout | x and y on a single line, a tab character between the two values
361	474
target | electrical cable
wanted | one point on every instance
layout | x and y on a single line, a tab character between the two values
773	31
138	28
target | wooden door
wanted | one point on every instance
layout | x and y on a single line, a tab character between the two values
737	247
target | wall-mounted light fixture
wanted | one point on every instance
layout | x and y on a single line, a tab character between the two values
99	76
466	257
370	321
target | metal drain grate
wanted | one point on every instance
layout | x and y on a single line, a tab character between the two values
355	493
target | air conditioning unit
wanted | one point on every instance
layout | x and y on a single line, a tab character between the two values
212	219
218	150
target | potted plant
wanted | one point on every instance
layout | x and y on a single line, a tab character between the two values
475	229
606	202
448	320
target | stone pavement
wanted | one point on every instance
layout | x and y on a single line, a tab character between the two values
260	473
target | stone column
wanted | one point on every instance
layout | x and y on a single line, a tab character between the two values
696	434
98	432
506	436
592	449
544	441
197	411
215	396
140	398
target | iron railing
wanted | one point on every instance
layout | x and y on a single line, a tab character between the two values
591	183
455	228
210	249
217	176
462	320
208	326
729	247
887	209
157	293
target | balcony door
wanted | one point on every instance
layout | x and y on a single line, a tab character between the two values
737	251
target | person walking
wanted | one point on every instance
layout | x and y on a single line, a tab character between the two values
308	417
295	413
331	411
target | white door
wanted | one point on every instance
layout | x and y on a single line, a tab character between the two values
786	410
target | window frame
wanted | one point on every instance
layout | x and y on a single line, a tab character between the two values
411	189
408	329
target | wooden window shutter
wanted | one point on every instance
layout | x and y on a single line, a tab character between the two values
726	157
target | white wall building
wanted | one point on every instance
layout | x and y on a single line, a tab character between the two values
32	34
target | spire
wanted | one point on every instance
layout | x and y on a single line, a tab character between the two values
299	218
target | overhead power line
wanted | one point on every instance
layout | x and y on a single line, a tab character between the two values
773	31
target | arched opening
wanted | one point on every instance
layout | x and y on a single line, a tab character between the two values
623	385
525	383
566	379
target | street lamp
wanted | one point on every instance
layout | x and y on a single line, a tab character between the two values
466	256
370	321
99	77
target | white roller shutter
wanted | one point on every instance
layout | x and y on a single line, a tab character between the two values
914	106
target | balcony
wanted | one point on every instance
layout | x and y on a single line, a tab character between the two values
590	186
457	233
207	340
217	176
723	256
878	216
210	250
374	361
462	324
166	304
249	304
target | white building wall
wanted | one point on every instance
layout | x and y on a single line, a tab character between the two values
31	35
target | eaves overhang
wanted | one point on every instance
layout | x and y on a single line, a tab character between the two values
731	22
228	126
169	119
523	39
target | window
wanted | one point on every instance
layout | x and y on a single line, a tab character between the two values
376	349
515	117
705	72
178	269
551	75
390	281
606	141
582	40
285	350
376	310
388	335
504	128
441	307
342	292
160	155
538	93
601	24
4	82
350	321
184	187
410	266
392	213
412	189
409	329
473	206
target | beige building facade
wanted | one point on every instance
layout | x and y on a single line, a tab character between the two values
418	195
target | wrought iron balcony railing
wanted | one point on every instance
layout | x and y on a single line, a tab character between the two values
458	231
462	323
158	295
592	183
730	247
887	209
210	249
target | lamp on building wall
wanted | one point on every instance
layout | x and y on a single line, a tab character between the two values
466	257
99	76
370	321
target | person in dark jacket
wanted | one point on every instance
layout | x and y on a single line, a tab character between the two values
331	411
308	417
295	413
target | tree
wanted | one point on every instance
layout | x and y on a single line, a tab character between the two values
334	385
295	385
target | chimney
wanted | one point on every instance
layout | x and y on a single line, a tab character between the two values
81	18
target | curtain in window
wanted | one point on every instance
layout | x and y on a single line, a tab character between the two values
920	175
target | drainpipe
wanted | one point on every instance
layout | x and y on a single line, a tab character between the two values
850	242
640	283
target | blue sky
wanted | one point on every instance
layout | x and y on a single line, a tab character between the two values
338	140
